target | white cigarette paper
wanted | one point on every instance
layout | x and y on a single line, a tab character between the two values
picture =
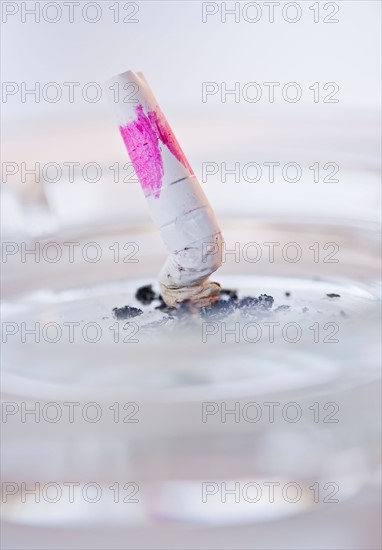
177	204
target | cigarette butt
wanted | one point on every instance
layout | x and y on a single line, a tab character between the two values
177	203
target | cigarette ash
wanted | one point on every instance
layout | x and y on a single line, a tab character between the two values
230	303
146	295
227	306
230	306
126	312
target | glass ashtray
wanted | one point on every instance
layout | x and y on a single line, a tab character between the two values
173	406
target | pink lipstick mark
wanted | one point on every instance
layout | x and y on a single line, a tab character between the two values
142	137
142	145
167	137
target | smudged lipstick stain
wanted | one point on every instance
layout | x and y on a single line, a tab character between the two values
167	137
142	138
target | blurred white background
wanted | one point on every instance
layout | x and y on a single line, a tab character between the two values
179	52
